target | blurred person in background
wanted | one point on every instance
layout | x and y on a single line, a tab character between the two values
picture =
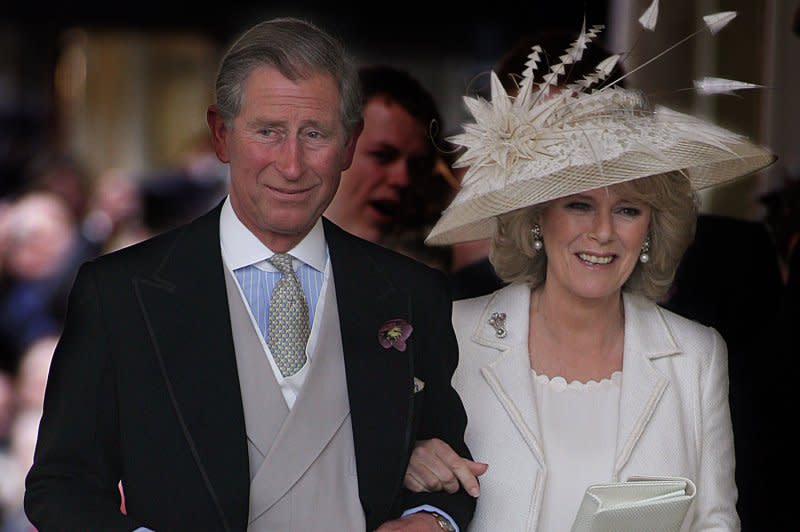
53	226
43	252
394	190
782	216
63	174
176	195
28	399
31	378
13	468
115	218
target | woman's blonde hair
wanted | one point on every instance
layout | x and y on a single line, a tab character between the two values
672	224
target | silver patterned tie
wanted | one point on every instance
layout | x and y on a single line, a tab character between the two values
288	318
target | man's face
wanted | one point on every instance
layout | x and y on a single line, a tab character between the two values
393	148
286	148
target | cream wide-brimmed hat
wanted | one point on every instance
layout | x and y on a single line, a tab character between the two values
547	143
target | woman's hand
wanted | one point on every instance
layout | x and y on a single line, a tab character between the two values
435	466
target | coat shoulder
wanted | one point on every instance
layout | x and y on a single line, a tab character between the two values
401	268
659	329
692	337
193	241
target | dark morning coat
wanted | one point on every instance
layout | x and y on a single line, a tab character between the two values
144	388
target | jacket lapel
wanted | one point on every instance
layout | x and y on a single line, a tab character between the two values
378	379
185	307
509	373
647	337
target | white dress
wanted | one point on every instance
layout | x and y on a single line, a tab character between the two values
579	436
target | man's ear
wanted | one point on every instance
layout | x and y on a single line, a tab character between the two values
219	133
350	146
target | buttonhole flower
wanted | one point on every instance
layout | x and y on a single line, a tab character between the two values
394	333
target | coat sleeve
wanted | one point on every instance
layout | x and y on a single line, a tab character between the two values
442	415
73	483
716	487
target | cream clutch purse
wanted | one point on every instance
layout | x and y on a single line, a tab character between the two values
641	504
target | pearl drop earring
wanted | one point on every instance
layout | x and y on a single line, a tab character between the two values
644	255
536	231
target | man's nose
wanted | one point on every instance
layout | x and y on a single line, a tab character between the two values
289	161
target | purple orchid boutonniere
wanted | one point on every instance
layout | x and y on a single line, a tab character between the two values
394	333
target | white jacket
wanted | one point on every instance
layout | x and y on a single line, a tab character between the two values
674	418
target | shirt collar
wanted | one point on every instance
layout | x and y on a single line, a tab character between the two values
241	248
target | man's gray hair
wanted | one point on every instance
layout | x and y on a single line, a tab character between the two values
297	49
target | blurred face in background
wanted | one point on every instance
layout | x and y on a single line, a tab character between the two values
117	196
39	234
393	147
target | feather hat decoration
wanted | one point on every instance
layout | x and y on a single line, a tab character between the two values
553	139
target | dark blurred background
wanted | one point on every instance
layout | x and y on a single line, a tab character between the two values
139	74
124	85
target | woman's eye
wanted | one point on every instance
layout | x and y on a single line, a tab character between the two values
578	206
630	211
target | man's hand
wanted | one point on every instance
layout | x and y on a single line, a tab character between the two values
435	466
417	522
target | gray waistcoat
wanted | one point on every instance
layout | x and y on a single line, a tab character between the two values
302	461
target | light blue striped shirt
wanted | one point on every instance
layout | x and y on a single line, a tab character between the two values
245	256
258	281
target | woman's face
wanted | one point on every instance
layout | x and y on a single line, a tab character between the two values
593	240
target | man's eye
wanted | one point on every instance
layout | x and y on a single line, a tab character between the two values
383	157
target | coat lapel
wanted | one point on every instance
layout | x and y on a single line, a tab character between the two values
647	336
185	307
509	373
378	380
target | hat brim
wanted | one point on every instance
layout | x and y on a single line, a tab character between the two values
705	165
